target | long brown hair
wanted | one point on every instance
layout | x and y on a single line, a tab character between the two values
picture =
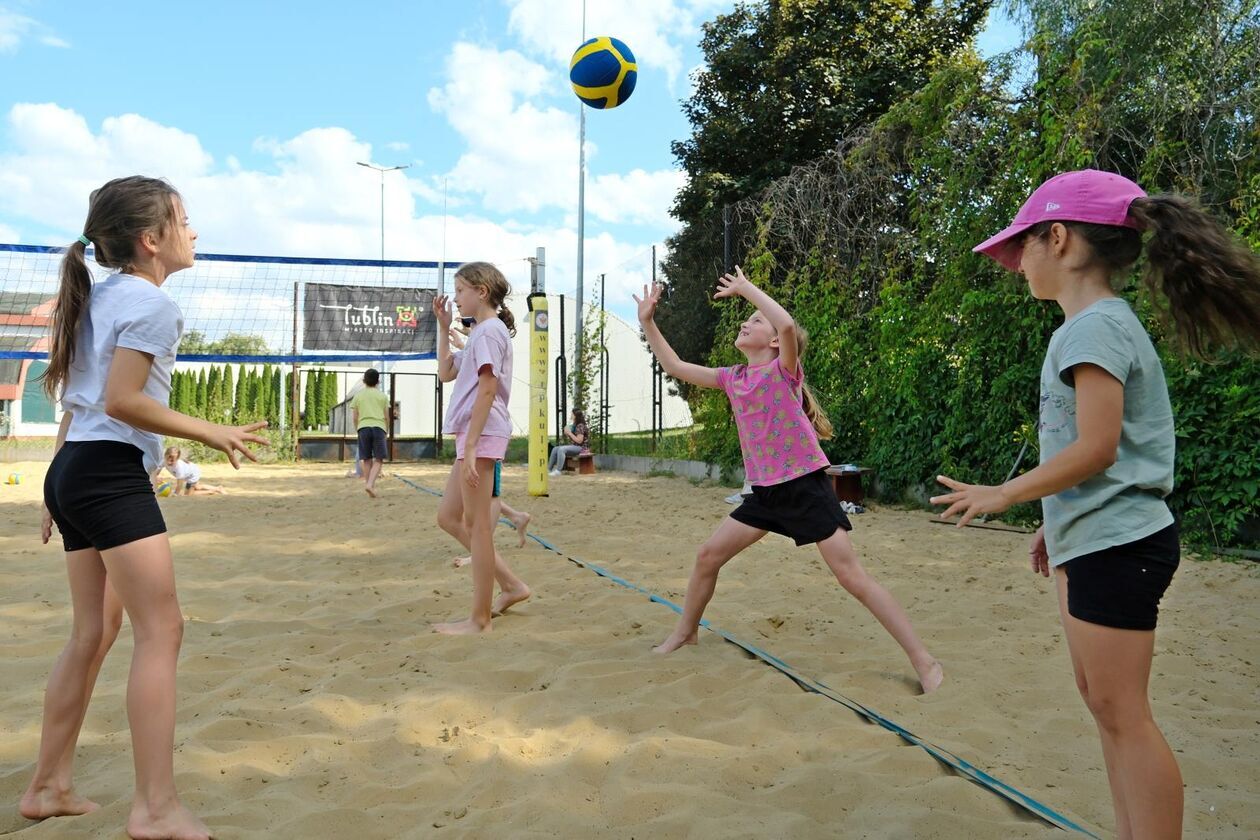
119	213
1204	280
483	275
813	409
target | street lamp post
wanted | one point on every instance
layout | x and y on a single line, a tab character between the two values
382	170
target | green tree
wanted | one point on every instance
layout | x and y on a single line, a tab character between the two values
782	82
238	402
310	402
202	398
228	388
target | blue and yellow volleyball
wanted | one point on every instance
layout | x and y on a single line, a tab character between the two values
165	489
603	72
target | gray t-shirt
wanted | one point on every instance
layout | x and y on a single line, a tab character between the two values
122	311
1125	502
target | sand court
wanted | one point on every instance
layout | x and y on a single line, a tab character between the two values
315	702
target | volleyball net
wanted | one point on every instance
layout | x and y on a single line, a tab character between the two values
252	309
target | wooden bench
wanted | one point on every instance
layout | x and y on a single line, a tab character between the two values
848	483
583	463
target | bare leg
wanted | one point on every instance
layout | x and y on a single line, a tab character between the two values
495	507
453	520
373	471
51	791
111	624
520	521
1113	669
730	538
480	530
144	577
838	553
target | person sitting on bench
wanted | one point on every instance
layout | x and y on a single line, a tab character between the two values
579	435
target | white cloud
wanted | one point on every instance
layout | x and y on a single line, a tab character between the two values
517	153
637	197
398	146
654	29
312	200
9	235
523	157
15	28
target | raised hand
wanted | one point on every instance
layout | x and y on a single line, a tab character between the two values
442	311
647	303
733	285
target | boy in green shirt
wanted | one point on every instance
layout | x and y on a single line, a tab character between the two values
368	409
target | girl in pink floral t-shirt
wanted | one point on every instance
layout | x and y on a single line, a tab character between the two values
779	426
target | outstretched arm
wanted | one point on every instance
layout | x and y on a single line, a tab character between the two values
706	377
1099	418
732	285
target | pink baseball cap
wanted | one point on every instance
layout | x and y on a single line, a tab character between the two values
1101	198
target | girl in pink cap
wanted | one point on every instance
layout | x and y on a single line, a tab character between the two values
779	425
1107	443
478	415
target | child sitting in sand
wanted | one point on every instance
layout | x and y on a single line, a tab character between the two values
187	475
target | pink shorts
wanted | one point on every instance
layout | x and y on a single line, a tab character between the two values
488	446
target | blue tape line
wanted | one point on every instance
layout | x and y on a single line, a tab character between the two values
57	249
285	358
961	765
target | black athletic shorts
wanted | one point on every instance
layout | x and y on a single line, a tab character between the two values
1121	586
372	444
805	509
100	495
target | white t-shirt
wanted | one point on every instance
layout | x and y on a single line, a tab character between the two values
184	471
122	311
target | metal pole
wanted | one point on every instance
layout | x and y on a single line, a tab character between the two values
382	227
726	238
581	222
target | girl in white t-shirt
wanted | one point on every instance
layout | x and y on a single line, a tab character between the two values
187	475
111	352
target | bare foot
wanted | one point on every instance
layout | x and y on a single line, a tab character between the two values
467	627
521	524
674	642
371	491
461	562
507	598
42	803
931	676
177	823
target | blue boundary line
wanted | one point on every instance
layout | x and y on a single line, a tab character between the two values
59	249
284	359
957	763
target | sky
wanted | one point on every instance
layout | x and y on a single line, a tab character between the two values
258	112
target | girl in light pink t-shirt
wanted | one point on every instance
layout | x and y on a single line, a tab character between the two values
779	426
478	416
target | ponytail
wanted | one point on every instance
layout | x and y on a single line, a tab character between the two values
813	409
72	296
1208	278
816	415
505	315
118	214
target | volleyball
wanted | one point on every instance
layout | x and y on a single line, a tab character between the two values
14	478
165	489
603	72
